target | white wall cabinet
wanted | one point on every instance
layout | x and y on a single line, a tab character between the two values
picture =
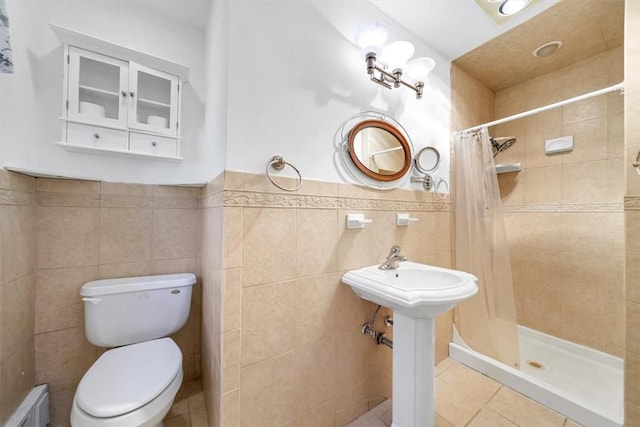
115	104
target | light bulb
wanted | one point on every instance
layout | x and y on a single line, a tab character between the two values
419	68
511	7
396	54
371	36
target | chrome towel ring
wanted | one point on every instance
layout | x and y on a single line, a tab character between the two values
278	163
636	164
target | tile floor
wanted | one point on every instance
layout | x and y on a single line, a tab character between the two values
188	408
465	398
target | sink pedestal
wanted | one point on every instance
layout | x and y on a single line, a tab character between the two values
413	371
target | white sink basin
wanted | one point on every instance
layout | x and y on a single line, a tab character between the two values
415	290
417	293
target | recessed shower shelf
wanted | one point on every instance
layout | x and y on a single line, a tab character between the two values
508	167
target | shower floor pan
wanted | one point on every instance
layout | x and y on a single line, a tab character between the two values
581	383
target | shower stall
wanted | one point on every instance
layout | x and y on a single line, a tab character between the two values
550	325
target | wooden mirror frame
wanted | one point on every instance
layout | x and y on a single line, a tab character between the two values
393	131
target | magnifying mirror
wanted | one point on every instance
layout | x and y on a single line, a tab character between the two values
427	160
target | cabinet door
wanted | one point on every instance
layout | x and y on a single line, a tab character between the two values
154	100
98	88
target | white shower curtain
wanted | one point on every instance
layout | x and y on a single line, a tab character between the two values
487	322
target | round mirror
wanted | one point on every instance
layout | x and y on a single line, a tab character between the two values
427	160
379	150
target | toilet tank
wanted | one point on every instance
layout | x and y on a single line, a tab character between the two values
135	309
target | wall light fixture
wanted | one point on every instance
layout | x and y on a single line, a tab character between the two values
393	63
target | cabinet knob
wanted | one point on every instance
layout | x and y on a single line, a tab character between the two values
96	135
124	93
132	94
153	143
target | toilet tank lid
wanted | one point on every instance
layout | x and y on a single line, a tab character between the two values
136	284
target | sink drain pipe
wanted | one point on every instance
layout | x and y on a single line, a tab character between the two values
378	336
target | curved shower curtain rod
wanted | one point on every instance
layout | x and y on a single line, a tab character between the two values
619	86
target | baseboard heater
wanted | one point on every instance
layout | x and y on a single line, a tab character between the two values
33	411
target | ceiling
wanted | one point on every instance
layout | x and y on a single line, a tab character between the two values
586	27
453	27
194	13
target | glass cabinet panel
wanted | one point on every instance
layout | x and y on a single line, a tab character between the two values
155	100
97	88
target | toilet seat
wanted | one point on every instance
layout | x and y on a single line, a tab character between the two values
127	378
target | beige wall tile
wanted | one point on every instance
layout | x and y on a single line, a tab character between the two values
631	173
57	300
351	403
323	415
176	265
315	374
632	378
522	410
512	188
62	358
230	409
17	312
542	186
16	378
277	405
269	246
585	326
17	246
231	348
588	137
535	156
124	269
593	232
632	281
632	227
632	312
316	241
67	237
60	405
232	317
169	191
351	310
632	414
174	233
545	120
584	110
233	240
268	321
125	235
598	181
67	186
16	181
123	189
233	180
615	140
315	307
352	354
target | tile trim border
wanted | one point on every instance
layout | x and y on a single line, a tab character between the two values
236	198
16	197
632	203
588	207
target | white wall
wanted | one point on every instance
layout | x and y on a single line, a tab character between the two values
31	99
295	76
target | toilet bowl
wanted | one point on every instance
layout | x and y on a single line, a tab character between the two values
129	386
134	384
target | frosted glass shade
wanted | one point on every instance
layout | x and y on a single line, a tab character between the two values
510	7
396	54
419	68
371	36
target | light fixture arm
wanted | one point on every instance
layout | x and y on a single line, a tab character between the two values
387	79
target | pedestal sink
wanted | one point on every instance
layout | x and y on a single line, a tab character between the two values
417	293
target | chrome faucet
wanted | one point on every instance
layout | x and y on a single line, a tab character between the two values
393	259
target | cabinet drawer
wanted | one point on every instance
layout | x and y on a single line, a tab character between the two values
151	144
94	136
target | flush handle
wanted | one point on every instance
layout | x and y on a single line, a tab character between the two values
93	301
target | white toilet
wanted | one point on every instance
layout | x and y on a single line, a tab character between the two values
135	384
